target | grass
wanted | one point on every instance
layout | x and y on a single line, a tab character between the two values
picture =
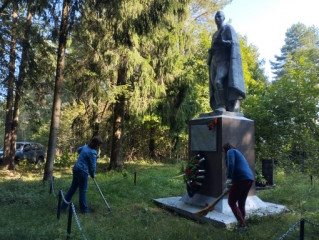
28	210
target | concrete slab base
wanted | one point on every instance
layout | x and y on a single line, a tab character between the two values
221	215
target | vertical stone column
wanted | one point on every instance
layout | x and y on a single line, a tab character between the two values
268	170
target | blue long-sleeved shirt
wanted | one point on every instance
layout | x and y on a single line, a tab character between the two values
237	166
86	160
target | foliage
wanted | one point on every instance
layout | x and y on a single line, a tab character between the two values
285	111
298	37
65	159
26	201
167	79
298	118
260	180
256	87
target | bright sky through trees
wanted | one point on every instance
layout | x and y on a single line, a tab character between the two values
265	22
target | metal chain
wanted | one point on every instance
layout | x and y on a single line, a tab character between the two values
295	225
312	223
63	198
77	221
290	230
118	181
52	186
113	182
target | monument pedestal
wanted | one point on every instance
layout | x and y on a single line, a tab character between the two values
207	135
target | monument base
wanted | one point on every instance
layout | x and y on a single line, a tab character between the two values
207	135
222	215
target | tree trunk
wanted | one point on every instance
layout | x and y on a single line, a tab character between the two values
19	85
95	122
151	145
10	82
56	109
116	160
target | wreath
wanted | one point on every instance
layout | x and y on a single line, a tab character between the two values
194	174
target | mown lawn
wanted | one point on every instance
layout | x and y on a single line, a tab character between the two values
28	209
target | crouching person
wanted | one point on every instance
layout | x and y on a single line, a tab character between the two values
239	180
84	166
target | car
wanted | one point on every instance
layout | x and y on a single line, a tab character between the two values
32	151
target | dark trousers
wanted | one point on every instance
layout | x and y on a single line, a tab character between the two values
237	199
80	180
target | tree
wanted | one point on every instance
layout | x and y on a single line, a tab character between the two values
129	23
56	109
290	104
10	89
298	36
20	81
203	10
295	108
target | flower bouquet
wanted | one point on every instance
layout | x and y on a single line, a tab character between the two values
194	174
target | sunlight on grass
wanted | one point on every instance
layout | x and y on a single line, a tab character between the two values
134	215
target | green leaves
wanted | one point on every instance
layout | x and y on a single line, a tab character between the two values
286	110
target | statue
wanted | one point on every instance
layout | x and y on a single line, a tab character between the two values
226	80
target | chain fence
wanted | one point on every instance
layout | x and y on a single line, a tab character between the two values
77	221
135	174
298	224
72	211
301	224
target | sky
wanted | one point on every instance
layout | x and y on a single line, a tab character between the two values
265	22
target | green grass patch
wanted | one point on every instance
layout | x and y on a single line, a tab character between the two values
28	210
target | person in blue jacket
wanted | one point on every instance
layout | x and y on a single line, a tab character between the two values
239	180
84	166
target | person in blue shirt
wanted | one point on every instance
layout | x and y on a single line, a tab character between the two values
239	180
84	166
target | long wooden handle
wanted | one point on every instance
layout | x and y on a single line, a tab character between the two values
207	209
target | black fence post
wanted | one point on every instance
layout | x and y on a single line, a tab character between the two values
311	178
59	204
302	229
69	221
134	178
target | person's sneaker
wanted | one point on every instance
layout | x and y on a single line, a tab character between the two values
88	210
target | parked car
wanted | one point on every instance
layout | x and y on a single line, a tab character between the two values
31	151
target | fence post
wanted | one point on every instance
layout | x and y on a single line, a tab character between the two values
69	220
302	229
135	178
59	204
311	179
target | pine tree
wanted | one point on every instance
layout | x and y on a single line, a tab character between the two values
298	36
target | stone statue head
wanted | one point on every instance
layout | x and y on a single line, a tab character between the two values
219	18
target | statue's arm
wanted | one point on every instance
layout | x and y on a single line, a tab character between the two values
225	38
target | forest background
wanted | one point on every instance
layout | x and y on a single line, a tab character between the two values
135	73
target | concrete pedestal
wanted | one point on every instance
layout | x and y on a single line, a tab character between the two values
221	216
207	135
228	128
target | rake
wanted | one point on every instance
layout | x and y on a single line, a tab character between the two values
107	205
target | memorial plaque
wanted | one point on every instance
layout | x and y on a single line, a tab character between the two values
203	139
